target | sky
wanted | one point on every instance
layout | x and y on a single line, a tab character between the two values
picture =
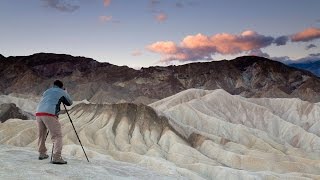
142	33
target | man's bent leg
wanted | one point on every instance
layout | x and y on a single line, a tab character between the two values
42	132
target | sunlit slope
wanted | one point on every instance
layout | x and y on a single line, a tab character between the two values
280	121
276	135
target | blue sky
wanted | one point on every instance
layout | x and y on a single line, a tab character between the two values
160	32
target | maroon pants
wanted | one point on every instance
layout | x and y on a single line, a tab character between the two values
54	126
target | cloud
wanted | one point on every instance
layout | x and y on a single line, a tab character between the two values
282	40
258	52
283	59
316	54
306	35
106	3
184	3
154	5
154	2
161	17
136	53
310	46
288	60
202	47
61	5
164	47
179	5
105	18
155	9
310	58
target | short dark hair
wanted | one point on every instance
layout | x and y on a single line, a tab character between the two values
58	83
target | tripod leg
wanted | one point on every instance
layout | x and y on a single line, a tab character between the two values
52	146
52	152
76	132
47	135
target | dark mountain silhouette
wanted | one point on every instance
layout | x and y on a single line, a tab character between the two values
2	57
85	78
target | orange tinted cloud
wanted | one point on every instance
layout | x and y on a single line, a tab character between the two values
163	47
106	3
199	47
161	17
306	35
225	43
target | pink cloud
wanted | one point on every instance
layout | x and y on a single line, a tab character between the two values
163	47
306	35
105	18
106	3
199	46
161	17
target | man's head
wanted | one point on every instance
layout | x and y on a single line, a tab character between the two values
58	83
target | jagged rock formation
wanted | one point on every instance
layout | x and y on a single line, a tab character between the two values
22	107
26	103
86	78
195	133
11	111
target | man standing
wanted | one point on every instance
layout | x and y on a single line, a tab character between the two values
47	118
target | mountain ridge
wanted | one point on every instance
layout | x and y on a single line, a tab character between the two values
2	57
249	76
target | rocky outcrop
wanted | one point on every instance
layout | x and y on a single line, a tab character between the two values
85	78
11	111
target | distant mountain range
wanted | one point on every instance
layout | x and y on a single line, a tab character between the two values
312	66
85	78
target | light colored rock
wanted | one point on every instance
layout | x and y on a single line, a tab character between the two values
205	135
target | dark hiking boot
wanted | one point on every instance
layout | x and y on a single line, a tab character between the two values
58	160
43	156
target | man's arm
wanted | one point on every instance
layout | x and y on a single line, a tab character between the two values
66	99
